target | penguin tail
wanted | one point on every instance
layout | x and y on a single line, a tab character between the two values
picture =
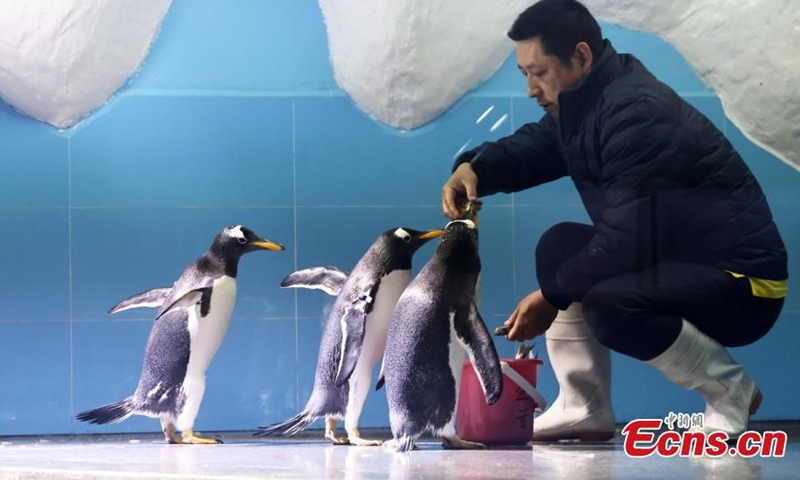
111	413
287	428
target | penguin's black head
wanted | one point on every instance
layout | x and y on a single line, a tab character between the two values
395	248
236	240
404	241
459	241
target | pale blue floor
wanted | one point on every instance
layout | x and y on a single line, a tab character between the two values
146	456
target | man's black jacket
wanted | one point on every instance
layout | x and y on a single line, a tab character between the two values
659	181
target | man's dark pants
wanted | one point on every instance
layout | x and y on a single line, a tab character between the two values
639	313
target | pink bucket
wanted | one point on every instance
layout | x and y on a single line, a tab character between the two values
510	420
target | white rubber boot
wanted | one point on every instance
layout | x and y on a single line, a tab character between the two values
582	411
695	361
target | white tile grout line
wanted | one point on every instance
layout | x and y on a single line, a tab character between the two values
69	263
513	218
240	207
294	248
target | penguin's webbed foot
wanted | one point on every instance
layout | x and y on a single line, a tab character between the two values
331	437
170	435
363	442
190	437
330	433
355	439
455	443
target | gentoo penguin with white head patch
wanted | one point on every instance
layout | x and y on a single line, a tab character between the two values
434	320
354	337
190	325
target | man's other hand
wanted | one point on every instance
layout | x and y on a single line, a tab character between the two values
532	317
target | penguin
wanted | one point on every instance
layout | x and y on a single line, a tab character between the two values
192	320
435	320
354	336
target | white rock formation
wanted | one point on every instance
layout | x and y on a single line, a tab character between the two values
62	59
745	50
405	62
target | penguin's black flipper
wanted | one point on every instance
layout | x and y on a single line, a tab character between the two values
353	321
184	290
328	279
149	299
474	335
191	298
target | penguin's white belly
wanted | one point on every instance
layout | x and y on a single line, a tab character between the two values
458	353
456	358
376	327
206	333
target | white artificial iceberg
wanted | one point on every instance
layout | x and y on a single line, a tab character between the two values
62	59
745	50
405	62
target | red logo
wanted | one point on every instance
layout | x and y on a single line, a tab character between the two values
641	440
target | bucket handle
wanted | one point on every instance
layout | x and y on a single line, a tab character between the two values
525	385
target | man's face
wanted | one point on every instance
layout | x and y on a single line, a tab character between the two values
545	74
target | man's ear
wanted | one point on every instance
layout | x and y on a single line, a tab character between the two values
584	56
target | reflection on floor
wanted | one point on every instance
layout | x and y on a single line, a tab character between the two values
243	457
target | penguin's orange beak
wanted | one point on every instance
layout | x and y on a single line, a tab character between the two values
431	234
267	245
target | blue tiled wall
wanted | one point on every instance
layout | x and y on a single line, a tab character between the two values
235	118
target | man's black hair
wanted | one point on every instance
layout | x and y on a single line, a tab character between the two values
560	24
